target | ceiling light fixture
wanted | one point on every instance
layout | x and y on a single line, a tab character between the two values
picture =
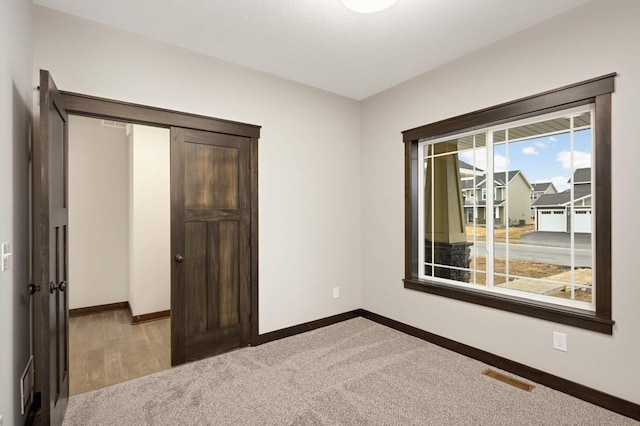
368	6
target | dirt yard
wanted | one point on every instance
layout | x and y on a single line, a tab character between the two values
516	267
537	270
500	234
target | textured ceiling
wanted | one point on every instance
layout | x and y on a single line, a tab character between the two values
319	42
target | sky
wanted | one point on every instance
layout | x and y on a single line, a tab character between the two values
541	159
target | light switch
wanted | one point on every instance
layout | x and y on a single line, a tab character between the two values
6	254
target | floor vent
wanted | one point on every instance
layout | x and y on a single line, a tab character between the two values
508	380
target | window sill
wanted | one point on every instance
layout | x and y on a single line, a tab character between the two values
545	311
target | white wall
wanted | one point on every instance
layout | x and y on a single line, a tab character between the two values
309	152
119	216
98	213
149	220
15	124
595	39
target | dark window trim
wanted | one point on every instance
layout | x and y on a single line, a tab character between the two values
595	91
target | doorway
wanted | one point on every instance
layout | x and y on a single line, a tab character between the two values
119	252
214	224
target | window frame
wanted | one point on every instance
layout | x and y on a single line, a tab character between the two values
500	203
595	91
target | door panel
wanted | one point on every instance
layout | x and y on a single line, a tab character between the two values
211	177
195	274
211	213
224	249
51	262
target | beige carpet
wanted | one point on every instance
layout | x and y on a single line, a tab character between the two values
353	373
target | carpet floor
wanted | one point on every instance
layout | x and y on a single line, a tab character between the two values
354	373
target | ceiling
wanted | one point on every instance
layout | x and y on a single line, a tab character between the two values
321	43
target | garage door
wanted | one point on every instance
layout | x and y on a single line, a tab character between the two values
582	221
552	220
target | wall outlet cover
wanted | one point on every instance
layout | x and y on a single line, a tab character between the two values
559	341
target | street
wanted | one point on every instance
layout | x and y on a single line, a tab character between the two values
539	254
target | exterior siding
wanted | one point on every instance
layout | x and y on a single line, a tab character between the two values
519	200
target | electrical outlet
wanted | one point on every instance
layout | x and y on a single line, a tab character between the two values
336	292
559	341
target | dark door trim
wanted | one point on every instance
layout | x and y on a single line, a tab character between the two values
90	106
50	257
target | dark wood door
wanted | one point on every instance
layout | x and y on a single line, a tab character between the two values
210	242
51	258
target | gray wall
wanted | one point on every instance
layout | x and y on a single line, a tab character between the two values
15	111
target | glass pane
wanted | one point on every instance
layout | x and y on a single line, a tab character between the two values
471	165
541	197
428	206
537	180
452	169
582	221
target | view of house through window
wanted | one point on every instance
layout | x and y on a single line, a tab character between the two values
508	209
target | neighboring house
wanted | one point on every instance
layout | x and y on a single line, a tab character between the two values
468	171
538	189
553	211
514	208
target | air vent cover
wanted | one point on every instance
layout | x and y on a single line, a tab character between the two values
112	123
508	380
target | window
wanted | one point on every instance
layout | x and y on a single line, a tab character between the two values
456	249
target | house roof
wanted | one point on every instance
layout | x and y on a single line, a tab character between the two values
582	190
466	183
564	197
558	199
501	178
541	186
465	165
582	175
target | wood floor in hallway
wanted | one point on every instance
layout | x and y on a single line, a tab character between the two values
104	349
